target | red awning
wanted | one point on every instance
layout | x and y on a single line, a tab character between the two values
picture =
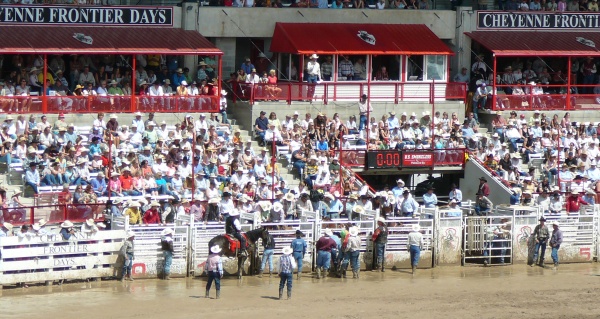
534	43
105	40
355	38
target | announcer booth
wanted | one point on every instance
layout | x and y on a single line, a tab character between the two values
539	59
34	38
388	62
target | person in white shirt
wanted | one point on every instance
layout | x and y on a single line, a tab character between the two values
252	78
136	137
414	246
393	121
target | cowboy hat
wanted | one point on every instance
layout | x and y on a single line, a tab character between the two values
66	224
416	227
277	207
358	209
286	250
542	219
214	200
265	205
202	63
8	226
314	56
155	204
134	204
130	234
234	213
90	222
381	220
328	232
167	231
299	233
353	231
556	223
215	249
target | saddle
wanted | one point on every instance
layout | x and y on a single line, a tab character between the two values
234	243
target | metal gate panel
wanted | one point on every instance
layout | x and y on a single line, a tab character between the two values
284	233
148	256
487	239
396	248
579	237
448	237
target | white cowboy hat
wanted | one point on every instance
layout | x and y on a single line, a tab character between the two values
66	224
265	205
101	225
214	200
353	231
130	234
400	181
90	222
328	232
167	231
416	227
381	219
286	250
328	195
277	207
358	209
556	223
215	249
8	226
39	224
289	197
234	212
223	92
314	56
391	199
134	204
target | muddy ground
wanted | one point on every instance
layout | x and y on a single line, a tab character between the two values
446	292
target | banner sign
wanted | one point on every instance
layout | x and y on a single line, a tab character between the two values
417	159
531	20
87	15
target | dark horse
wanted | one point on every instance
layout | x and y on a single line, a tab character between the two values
252	237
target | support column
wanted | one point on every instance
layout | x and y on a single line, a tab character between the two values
569	70
494	91
227	45
133	85
44	98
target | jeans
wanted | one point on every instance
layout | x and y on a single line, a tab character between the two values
33	186
513	142
415	254
352	258
267	255
224	117
334	258
126	267
298	257
541	244
299	166
168	261
480	211
131	193
554	254
285	277
323	259
48	180
363	122
80	181
380	248
216	277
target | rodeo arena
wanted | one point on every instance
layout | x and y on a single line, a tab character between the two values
154	159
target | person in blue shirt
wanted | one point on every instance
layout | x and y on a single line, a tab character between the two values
322	144
299	250
429	198
99	184
32	177
66	230
163	189
177	78
335	207
95	147
247	66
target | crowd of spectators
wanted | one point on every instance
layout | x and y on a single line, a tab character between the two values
327	4
548	5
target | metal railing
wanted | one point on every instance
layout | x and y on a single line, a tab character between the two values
326	92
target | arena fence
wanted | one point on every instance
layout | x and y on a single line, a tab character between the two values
450	237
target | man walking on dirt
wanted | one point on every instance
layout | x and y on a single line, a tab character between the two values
540	235
379	241
324	246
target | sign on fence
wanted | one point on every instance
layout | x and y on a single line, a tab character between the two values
448	241
49	257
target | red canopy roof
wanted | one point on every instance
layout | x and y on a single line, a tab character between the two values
534	43
344	38
105	40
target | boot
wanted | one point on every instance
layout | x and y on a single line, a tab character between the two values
375	268
414	270
344	273
289	293
206	295
555	266
382	267
325	273
280	293
354	274
260	274
298	276
218	294
129	278
167	277
319	273
357	273
270	274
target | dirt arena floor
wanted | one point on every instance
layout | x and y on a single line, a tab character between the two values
445	292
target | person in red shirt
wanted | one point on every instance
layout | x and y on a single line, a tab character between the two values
484	188
127	183
573	202
152	216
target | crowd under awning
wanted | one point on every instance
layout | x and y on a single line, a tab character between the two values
104	40
538	43
357	38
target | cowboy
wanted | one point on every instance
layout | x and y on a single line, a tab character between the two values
234	228
379	238
39	229
126	252
286	271
166	243
67	230
414	246
540	235
555	242
299	250
324	246
351	249
269	249
483	204
89	227
214	269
